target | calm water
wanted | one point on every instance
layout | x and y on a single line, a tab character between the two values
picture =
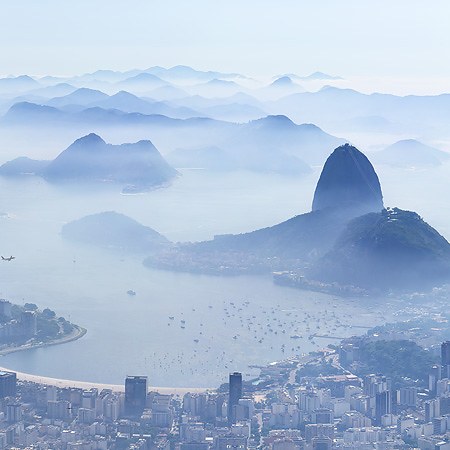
229	323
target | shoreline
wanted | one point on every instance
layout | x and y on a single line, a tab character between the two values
63	383
74	336
78	333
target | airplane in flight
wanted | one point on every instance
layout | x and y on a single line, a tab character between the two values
8	259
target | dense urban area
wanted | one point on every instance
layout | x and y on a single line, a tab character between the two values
323	400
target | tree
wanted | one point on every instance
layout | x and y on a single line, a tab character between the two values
30	307
48	314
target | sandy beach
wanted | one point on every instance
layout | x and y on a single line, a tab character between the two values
78	333
47	381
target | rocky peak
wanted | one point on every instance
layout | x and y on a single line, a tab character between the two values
348	181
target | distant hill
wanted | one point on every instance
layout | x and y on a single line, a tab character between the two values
143	82
137	166
25	112
57	90
280	87
280	134
82	96
31	115
167	93
222	83
90	158
234	112
114	231
211	158
23	166
282	81
238	107
392	248
130	103
215	88
320	76
186	73
410	153
18	84
332	106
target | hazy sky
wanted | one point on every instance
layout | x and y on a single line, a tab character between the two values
259	37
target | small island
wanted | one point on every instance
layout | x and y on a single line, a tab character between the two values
25	327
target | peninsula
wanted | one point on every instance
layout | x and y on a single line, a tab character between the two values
26	327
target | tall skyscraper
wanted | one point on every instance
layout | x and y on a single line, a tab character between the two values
445	359
8	384
433	377
383	405
135	395
235	394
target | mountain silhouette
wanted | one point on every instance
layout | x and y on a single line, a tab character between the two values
114	231
391	248
348	238
348	180
411	153
90	158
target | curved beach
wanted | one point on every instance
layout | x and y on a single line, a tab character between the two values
48	381
78	333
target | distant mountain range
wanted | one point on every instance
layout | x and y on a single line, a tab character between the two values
332	106
143	82
280	87
90	159
18	84
411	153
306	141
23	166
82	96
122	101
30	114
183	92
315	76
264	129
211	158
320	76
271	144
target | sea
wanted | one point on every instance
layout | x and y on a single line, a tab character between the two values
181	330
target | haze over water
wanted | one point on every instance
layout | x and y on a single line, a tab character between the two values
134	335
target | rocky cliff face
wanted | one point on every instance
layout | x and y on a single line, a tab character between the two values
348	181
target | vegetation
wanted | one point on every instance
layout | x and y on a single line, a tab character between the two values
393	249
403	361
15	330
323	368
30	307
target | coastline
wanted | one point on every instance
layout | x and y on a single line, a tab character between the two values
77	334
61	383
